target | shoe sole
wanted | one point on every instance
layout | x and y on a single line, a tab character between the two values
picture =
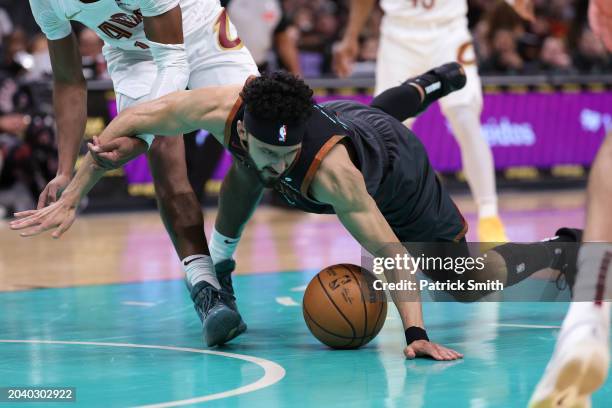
222	327
578	378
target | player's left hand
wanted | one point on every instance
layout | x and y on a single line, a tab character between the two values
525	9
59	215
117	152
344	55
424	348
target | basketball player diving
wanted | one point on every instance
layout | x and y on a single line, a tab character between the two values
353	160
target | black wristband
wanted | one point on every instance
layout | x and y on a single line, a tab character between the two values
415	333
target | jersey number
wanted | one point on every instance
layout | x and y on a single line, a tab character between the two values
426	4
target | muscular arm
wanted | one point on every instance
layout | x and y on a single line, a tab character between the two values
339	183
173	114
69	100
241	191
358	16
346	50
178	112
287	50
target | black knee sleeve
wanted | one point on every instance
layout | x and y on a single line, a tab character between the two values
402	102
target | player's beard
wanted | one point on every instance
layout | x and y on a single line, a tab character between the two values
268	180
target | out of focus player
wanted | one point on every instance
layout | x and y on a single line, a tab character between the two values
581	359
417	35
152	47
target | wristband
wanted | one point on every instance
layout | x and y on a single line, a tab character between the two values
415	333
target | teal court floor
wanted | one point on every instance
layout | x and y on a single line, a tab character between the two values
139	344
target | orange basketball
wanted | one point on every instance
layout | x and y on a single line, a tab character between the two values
341	309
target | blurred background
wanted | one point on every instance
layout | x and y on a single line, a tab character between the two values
548	95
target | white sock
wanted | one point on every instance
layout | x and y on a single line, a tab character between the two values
200	268
476	157
222	247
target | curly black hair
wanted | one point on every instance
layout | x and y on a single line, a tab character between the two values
278	96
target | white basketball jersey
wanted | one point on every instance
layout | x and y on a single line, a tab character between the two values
119	23
425	11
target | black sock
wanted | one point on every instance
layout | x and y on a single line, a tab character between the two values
402	102
523	260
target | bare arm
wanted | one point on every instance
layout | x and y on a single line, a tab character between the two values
287	50
241	191
69	99
70	106
166	28
339	183
346	50
181	111
178	112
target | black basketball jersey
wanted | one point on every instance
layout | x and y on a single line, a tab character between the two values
392	160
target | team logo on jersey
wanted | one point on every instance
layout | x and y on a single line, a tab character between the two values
227	37
282	134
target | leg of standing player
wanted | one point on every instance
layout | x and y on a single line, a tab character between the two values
579	364
404	53
463	110
216	58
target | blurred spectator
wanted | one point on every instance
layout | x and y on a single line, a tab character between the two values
6	25
90	47
504	57
591	56
554	57
41	63
15	59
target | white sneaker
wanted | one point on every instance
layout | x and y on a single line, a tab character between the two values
579	365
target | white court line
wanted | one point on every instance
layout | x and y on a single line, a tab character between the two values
286	301
299	288
134	303
273	372
526	326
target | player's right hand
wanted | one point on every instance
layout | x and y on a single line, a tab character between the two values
345	53
53	191
427	349
117	152
59	215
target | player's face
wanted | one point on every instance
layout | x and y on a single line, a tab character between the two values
271	161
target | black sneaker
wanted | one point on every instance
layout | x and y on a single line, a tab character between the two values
220	323
224	271
439	82
566	256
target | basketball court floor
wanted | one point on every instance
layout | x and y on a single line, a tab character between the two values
105	310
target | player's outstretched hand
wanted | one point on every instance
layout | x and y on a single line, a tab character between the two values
117	152
600	18
59	216
427	349
53	190
345	53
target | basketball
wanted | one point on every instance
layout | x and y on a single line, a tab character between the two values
341	309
